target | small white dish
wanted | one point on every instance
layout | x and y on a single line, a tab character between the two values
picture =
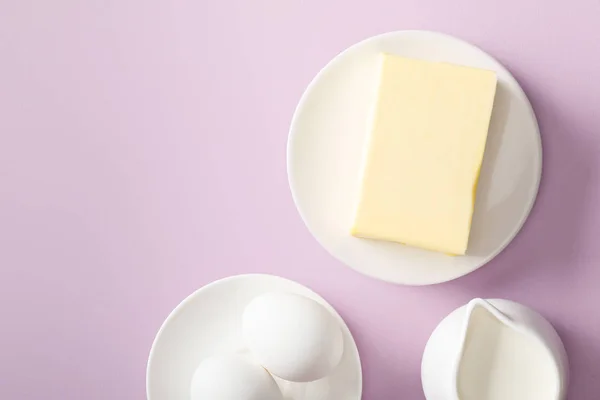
209	322
325	148
494	349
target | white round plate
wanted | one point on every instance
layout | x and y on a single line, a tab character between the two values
209	322
325	148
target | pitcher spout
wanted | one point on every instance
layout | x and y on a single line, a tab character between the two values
481	329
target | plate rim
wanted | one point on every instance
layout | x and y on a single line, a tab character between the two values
173	314
539	167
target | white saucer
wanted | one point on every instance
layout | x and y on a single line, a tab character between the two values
326	142
209	322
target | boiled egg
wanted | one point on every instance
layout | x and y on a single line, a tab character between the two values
294	337
232	377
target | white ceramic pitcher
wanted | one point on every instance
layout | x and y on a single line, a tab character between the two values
494	349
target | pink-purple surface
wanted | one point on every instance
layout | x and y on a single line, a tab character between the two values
142	155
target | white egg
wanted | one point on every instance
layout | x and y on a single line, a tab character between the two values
292	336
232	377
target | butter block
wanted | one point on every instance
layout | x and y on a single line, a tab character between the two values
424	154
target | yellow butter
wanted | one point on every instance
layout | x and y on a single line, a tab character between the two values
424	154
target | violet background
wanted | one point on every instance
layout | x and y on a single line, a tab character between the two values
142	155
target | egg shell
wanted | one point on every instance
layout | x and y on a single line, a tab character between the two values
293	337
232	377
